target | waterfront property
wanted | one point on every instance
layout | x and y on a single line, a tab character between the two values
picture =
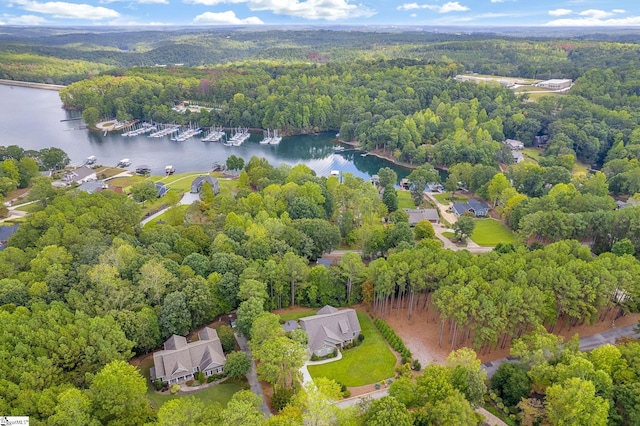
180	361
416	215
478	208
80	175
330	329
97	186
196	185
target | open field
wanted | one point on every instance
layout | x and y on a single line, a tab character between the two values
404	200
489	232
370	362
220	393
443	198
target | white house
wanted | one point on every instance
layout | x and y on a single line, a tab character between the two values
80	175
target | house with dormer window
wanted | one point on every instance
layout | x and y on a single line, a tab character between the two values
330	329
181	360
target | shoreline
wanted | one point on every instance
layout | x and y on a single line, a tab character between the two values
380	154
32	85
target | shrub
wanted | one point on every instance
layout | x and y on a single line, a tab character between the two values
281	398
199	376
360	337
158	384
315	357
415	365
346	394
377	386
190	382
175	389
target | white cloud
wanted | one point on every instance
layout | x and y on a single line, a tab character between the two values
329	10
26	20
596	14
65	10
225	18
137	1
414	15
619	11
452	6
560	12
631	21
410	6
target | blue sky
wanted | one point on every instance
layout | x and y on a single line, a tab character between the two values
560	13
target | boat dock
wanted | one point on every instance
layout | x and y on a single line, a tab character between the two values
140	130
187	134
168	129
214	135
238	138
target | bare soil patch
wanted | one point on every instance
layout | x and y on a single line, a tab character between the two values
421	335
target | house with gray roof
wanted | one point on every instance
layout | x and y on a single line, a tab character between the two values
514	144
196	185
80	175
416	215
478	208
330	329
179	361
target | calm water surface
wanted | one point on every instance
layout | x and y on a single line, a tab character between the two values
32	119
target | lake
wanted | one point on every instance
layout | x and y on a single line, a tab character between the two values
33	119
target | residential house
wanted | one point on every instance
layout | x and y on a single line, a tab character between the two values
80	175
517	157
416	215
514	144
478	208
93	186
196	185
179	361
330	329
162	189
5	233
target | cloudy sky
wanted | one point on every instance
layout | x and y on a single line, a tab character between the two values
562	13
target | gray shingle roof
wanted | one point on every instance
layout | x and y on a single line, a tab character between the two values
330	326
179	358
416	215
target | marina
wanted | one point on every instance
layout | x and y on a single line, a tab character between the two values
187	134
28	113
165	130
240	135
140	130
214	135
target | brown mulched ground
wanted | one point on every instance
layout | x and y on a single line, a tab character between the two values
421	334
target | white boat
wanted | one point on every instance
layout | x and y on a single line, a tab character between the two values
275	140
124	162
267	138
91	159
169	170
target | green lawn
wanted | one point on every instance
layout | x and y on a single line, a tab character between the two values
443	198
221	393
489	232
370	362
532	154
287	316
404	200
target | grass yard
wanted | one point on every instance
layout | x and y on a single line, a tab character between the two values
221	393
297	314
404	200
489	232
443	198
532	154
370	362
163	217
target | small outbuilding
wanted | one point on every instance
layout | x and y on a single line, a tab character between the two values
518	157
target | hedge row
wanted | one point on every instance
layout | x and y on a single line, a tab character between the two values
393	339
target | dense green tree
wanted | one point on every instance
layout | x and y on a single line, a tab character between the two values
174	316
237	365
511	383
118	393
385	411
575	403
464	227
390	198
144	191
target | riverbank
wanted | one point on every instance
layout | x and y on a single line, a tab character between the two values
32	85
383	155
